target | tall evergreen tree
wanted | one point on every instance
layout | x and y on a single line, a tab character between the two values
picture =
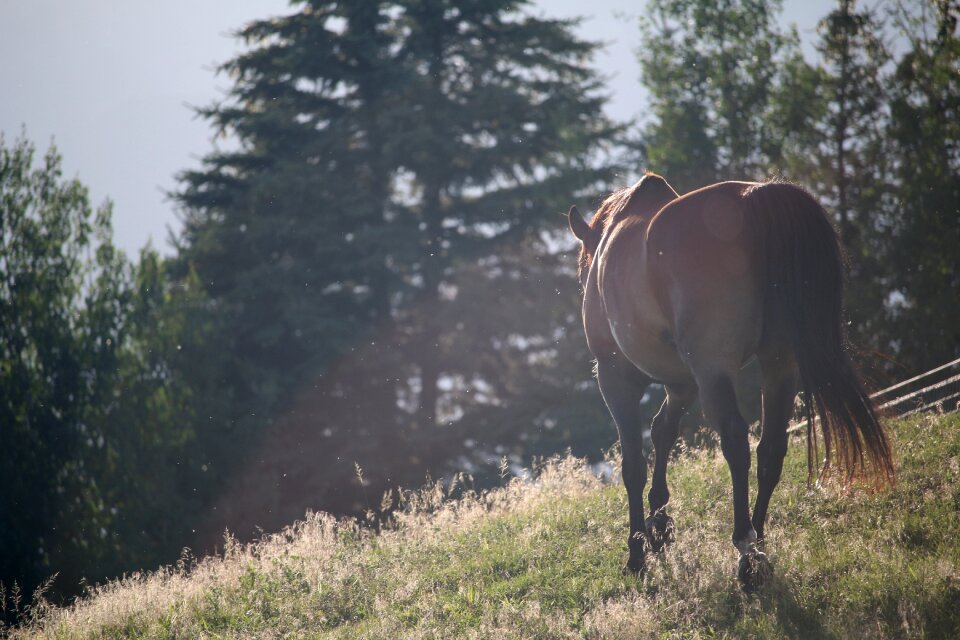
288	233
925	225
845	161
499	117
853	55
386	150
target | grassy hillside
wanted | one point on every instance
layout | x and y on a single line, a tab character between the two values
542	560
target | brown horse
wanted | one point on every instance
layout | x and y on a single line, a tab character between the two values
683	291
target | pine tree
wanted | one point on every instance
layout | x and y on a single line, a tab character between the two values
287	233
844	159
386	150
853	56
925	225
500	115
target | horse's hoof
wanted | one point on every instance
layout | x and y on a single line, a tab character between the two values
634	567
661	530
754	571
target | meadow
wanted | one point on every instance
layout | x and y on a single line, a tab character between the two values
541	557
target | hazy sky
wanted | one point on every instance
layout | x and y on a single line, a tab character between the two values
112	81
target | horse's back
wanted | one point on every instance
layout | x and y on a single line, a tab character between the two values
685	292
701	222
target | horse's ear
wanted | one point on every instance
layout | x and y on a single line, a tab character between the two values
578	225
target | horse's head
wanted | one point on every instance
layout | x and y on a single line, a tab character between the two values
642	200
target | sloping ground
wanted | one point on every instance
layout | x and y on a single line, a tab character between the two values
542	560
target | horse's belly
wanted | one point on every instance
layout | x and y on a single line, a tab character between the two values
650	347
639	326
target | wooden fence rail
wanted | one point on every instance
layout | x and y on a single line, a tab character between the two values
942	394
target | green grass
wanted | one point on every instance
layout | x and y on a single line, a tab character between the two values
542	560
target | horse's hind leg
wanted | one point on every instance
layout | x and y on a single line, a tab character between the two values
622	386
779	381
719	402
666	425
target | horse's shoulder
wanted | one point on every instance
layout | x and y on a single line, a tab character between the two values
624	239
595	323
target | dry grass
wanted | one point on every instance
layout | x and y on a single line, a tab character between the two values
542	560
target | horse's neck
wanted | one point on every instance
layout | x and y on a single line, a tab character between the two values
630	219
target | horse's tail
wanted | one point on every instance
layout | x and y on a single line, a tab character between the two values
803	271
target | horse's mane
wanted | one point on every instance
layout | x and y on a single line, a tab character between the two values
612	206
